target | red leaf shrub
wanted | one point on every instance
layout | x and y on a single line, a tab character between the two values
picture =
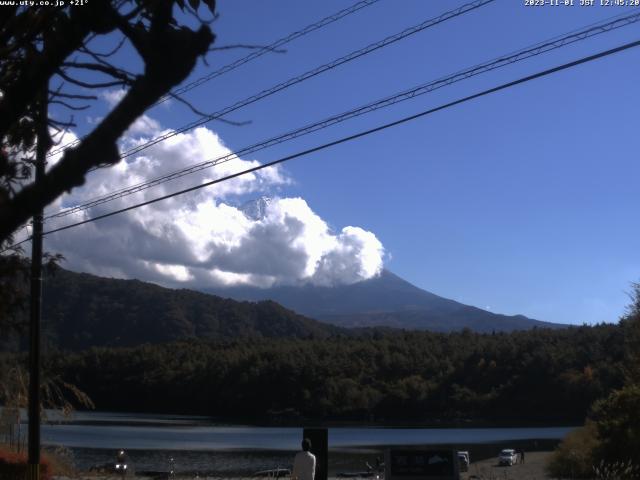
14	466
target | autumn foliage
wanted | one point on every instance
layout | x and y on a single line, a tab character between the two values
14	465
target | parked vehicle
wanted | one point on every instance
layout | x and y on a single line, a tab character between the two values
463	460
508	456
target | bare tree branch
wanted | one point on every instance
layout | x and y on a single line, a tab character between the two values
76	27
68	105
102	68
80	83
169	54
64	125
206	115
85	49
73	96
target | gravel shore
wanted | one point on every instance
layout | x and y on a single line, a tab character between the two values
532	469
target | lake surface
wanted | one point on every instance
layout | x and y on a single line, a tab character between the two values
175	433
198	443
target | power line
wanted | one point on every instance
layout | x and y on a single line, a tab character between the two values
274	46
483	93
252	56
519	55
312	73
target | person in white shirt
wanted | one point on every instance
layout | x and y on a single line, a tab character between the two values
304	463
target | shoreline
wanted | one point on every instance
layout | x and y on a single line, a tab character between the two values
241	464
532	469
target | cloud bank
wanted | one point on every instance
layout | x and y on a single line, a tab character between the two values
209	237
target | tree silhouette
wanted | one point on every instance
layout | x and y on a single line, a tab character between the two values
49	54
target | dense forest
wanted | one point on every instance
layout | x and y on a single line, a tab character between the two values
82	311
177	351
538	375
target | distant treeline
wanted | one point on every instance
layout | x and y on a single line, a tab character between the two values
536	375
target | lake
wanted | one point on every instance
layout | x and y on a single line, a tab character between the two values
164	432
199	445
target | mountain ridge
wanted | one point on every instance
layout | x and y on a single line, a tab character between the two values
385	300
81	310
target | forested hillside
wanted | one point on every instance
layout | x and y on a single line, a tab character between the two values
537	375
81	311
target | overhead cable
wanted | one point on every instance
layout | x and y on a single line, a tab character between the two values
311	73
349	138
502	61
273	47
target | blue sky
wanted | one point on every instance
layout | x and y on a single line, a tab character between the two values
522	202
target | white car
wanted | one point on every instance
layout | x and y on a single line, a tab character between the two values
508	456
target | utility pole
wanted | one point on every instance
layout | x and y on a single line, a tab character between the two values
43	145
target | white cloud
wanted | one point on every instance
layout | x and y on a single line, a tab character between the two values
292	244
144	126
357	255
113	97
61	138
203	239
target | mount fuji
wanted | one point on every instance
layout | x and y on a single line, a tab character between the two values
384	301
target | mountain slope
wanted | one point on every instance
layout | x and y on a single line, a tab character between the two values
81	310
386	300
